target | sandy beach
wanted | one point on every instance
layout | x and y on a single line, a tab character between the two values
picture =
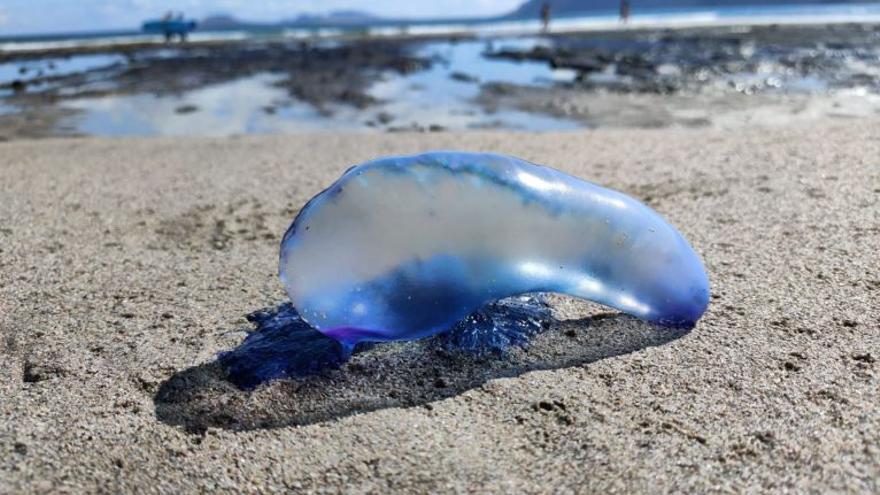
127	265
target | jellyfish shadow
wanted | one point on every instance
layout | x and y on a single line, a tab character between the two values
285	373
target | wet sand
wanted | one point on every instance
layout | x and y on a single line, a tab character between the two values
127	265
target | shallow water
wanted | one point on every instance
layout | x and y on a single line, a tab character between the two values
245	106
436	97
25	70
725	77
427	99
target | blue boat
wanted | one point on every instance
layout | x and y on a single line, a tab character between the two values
170	28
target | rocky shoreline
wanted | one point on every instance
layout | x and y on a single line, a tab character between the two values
627	78
318	75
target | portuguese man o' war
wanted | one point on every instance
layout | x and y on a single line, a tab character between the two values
405	247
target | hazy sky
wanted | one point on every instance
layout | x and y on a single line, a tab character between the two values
47	16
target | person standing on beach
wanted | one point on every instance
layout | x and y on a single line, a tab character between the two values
624	11
545	16
166	30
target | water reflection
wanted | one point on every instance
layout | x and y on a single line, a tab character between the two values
245	106
25	70
444	94
441	97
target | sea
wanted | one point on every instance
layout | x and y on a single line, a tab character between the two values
489	28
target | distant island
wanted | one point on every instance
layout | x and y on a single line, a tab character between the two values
334	18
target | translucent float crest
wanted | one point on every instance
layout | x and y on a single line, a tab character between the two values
404	247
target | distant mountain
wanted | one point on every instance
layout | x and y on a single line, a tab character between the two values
220	22
532	8
335	18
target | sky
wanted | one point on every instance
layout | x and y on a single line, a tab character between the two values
60	16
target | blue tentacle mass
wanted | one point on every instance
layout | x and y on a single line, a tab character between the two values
404	247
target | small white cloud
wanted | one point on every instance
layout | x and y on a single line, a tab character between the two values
4	17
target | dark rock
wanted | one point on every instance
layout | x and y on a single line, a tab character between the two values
183	109
463	77
582	64
384	117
